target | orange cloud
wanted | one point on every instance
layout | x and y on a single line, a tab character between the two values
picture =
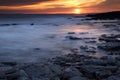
58	6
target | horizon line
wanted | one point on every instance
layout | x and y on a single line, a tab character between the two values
53	13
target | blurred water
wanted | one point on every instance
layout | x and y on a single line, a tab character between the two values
21	42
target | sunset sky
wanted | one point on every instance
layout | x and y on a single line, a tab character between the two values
58	6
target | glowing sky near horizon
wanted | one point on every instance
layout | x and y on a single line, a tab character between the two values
58	6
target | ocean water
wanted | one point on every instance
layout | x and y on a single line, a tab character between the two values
32	38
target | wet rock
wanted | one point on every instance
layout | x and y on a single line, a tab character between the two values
44	70
109	60
78	23
7	70
75	50
110	38
24	78
118	72
4	24
9	63
89	49
117	58
73	38
23	75
98	72
84	47
95	62
71	72
36	48
32	24
2	75
109	25
8	24
69	18
2	65
41	78
109	46
89	38
14	24
118	63
113	78
77	78
12	76
83	33
90	41
55	24
71	32
114	53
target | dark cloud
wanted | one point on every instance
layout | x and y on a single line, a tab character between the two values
38	11
20	2
107	4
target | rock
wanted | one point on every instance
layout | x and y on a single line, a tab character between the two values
78	23
32	24
109	46
109	60
118	58
13	76
118	72
24	78
118	63
56	78
77	78
9	63
89	38
73	38
91	50
71	72
75	50
55	25
7	69
69	18
99	72
23	73
4	24
36	48
110	38
114	52
71	32
94	62
111	43
9	73
84	47
42	78
88	49
56	69
90	41
14	24
2	76
45	70
2	65
83	33
113	78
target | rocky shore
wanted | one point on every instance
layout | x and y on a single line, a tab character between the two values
73	66
67	67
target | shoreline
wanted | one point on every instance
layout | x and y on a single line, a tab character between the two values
67	67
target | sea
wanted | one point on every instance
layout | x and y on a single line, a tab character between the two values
35	37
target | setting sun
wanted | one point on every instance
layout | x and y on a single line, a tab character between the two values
77	11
